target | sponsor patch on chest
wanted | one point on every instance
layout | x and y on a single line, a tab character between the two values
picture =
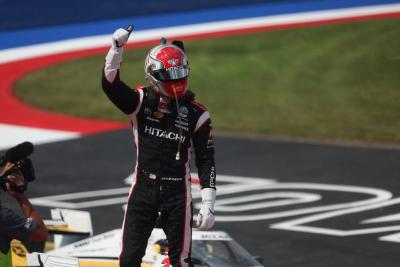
152	119
164	134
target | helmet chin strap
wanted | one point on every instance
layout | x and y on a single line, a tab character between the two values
156	86
178	153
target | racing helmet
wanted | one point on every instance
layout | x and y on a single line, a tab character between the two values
167	69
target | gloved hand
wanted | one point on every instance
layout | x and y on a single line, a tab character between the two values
114	55
206	219
121	36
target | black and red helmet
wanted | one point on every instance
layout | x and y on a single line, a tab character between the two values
167	69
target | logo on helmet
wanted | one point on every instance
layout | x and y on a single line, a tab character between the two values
174	62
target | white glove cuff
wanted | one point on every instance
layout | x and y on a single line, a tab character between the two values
114	57
113	62
208	195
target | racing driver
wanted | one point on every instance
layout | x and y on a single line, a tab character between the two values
167	125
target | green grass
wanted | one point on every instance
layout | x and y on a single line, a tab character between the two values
328	82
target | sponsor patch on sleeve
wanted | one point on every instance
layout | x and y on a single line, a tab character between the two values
29	223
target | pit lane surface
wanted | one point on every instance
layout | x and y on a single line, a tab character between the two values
103	161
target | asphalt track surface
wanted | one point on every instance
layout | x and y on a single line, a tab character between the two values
102	162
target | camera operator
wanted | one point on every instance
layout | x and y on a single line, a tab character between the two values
29	228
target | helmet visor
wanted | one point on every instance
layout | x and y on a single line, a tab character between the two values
171	74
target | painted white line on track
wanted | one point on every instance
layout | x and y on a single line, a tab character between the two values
12	135
391	238
287	198
266	199
388	218
299	224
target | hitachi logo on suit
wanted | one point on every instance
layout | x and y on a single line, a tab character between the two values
163	134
